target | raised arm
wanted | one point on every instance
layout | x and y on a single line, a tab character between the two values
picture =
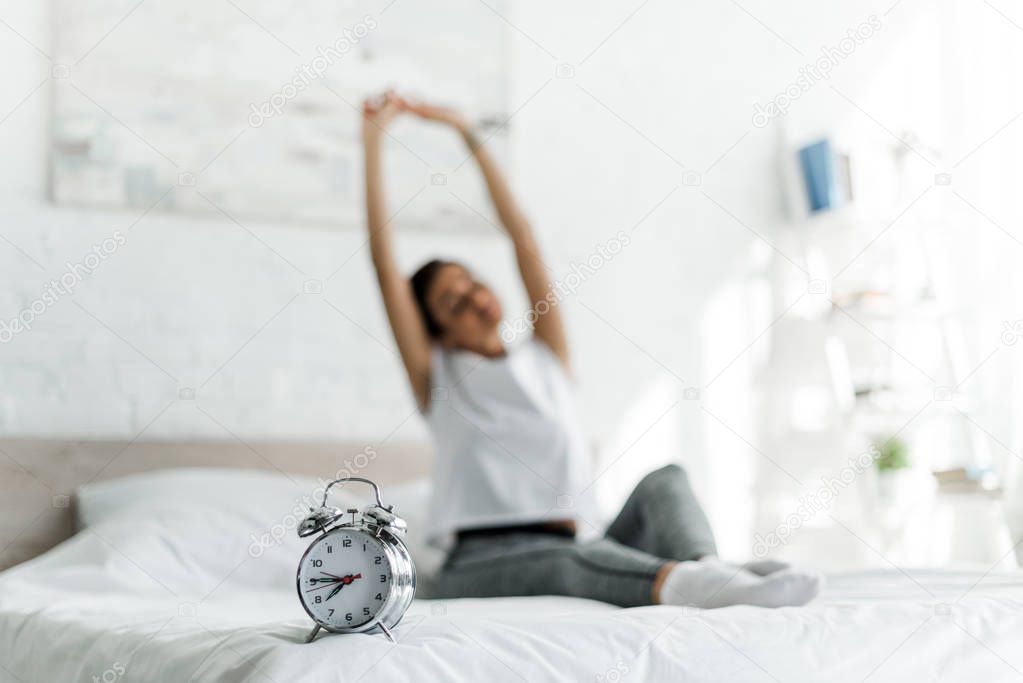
549	327
406	321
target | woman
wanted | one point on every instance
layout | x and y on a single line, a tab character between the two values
511	454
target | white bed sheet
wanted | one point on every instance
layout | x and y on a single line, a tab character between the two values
83	612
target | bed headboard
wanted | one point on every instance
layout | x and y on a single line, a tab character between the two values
38	477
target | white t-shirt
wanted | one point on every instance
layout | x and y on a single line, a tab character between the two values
510	448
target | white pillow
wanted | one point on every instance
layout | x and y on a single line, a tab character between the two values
198	530
256	493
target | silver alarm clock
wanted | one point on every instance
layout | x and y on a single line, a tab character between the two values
357	575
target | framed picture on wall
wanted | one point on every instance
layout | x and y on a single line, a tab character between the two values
188	125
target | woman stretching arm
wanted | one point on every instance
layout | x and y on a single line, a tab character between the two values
548	327
410	332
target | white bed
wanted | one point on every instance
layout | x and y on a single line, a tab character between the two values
170	589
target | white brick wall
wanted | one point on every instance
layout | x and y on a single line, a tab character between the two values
188	293
181	298
185	296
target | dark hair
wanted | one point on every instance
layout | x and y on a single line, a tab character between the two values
421	281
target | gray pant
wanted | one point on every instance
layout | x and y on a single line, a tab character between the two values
661	521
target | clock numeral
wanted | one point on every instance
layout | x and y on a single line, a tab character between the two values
318	600
317	563
383	578
348	617
331	612
379	597
346	543
330	549
377	559
365	611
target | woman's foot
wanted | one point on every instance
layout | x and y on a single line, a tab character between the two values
758	567
765	567
712	583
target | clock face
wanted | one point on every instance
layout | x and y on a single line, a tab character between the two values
344	578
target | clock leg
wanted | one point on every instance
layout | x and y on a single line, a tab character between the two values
385	630
312	634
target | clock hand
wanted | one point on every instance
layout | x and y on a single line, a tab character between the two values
329	585
342	582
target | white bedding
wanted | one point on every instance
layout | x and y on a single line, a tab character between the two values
132	599
65	620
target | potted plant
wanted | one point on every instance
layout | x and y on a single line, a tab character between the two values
893	468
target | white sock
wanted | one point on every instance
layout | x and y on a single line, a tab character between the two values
758	567
765	567
761	567
710	584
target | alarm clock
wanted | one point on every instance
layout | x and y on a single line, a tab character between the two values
356	575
